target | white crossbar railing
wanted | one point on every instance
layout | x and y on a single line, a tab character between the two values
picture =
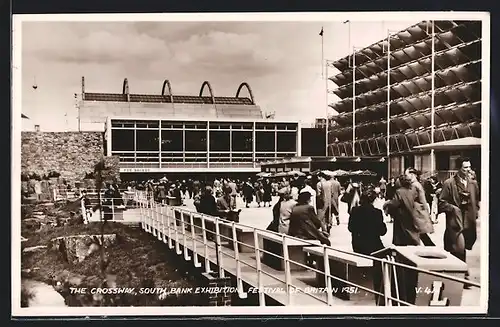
200	235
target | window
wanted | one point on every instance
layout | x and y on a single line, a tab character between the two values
242	141
287	142
171	140
264	141
219	141
195	141
147	140
122	140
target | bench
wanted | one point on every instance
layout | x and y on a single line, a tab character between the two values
350	267
244	235
274	243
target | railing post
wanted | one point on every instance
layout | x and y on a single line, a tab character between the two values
258	265
160	224
154	219
163	223
184	239
176	228
217	248
169	226
288	276
148	213
239	282
328	279
143	213
387	284
193	237
205	245
395	276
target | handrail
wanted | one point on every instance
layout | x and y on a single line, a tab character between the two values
148	221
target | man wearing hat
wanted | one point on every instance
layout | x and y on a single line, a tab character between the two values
226	204
324	191
304	223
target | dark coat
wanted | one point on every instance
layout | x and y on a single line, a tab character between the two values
401	209
366	224
390	191
305	224
460	233
207	205
267	192
421	214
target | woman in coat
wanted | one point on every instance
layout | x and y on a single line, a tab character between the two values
304	223
366	224
266	198
401	209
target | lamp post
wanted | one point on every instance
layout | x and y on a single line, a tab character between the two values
432	95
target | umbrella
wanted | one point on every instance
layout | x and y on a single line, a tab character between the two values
296	172
264	174
340	172
369	173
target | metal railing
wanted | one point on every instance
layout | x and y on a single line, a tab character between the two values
177	226
110	209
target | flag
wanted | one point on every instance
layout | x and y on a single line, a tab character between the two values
321	33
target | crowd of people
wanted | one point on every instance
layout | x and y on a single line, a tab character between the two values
308	206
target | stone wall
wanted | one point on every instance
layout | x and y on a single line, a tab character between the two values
72	154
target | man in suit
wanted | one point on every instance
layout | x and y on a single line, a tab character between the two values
459	200
335	201
324	199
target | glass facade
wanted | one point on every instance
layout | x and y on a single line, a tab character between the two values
164	144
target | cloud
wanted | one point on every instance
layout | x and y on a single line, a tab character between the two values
100	43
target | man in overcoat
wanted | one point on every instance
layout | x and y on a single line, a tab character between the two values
459	200
335	201
324	199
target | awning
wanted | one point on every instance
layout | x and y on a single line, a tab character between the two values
457	144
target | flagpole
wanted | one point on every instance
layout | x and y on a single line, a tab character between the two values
324	73
353	101
432	98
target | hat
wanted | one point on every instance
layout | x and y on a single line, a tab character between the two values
283	191
172	186
304	196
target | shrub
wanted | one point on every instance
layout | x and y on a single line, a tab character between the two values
54	174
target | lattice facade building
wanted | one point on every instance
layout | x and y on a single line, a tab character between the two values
457	96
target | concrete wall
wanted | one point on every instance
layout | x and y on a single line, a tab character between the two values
93	114
72	154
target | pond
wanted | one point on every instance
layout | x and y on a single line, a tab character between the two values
42	295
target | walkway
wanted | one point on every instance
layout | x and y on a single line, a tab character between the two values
272	278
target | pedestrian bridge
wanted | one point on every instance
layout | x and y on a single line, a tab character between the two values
273	267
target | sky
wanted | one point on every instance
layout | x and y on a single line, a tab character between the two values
281	61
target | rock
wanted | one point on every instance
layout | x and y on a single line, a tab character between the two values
30	224
34	248
75	248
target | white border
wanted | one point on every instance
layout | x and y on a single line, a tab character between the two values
291	310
